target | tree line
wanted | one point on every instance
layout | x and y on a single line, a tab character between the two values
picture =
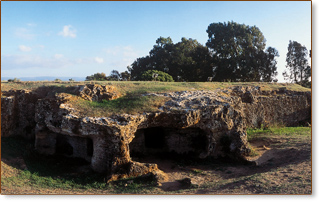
234	53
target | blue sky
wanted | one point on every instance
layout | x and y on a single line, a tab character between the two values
77	39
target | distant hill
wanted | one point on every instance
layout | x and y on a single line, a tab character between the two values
43	78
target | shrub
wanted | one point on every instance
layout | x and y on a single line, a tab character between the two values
155	75
57	80
14	80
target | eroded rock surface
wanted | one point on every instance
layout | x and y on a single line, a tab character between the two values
199	124
95	92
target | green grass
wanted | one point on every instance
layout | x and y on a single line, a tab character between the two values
133	186
280	131
130	104
36	180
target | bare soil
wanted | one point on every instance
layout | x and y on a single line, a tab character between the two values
283	167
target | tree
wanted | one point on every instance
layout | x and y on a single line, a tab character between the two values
238	52
298	69
140	65
161	55
115	75
155	75
190	61
187	60
97	77
269	65
125	76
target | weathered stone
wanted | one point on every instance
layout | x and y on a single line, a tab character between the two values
17	113
200	124
95	92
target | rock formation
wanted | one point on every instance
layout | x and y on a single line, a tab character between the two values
199	124
94	92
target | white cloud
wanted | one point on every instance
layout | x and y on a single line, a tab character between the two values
24	48
31	24
41	47
68	31
58	56
99	60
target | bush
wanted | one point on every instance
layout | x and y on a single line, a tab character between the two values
57	80
155	75
14	80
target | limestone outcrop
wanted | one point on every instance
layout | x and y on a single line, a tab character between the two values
198	124
95	92
289	108
17	113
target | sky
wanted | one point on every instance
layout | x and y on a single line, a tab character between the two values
78	39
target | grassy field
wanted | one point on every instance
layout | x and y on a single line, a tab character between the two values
284	167
140	87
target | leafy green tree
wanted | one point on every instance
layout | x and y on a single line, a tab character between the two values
97	77
191	61
298	69
238	53
115	75
140	65
187	60
155	75
161	54
268	65
125	76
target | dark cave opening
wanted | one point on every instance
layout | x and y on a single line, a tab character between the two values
63	147
168	143
154	138
89	147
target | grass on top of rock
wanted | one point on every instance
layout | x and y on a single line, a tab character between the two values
130	104
132	101
127	87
